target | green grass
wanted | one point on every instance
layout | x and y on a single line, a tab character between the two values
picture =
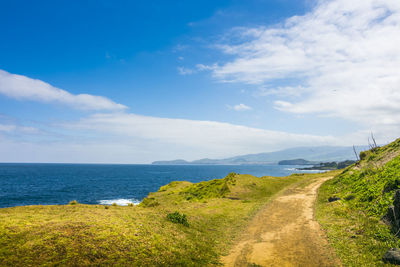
353	224
215	211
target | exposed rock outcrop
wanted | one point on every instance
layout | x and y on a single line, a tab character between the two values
392	216
392	256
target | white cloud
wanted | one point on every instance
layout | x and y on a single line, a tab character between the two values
282	91
7	128
12	128
190	139
240	107
24	88
130	138
196	69
202	67
344	54
185	71
179	47
127	138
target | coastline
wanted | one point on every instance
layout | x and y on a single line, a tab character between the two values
57	184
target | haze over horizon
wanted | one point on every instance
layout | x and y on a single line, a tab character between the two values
135	82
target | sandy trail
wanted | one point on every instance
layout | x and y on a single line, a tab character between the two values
285	233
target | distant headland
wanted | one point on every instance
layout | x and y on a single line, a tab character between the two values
294	156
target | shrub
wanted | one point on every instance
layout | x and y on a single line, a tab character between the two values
106	207
130	205
363	155
73	202
114	204
176	217
345	164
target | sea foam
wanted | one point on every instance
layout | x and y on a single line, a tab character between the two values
119	202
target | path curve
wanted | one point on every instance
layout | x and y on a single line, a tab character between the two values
285	233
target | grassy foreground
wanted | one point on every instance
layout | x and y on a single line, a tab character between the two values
354	224
141	235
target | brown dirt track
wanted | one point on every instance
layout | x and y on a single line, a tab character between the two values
285	233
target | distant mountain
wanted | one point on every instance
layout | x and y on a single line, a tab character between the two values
297	162
171	162
315	154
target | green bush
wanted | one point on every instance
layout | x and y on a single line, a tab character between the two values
176	217
363	154
73	202
114	204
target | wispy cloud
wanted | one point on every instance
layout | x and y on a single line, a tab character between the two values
345	55
134	138
131	138
18	129
202	67
24	88
179	47
190	138
185	71
7	128
196	69
240	107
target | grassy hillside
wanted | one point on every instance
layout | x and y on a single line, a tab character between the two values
354	224
183	224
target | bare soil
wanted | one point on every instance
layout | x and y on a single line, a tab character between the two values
285	233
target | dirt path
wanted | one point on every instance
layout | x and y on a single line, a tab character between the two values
285	233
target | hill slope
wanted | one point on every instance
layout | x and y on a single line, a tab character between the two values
354	223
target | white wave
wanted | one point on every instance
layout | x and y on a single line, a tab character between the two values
119	202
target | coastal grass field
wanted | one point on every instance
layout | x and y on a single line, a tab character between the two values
204	220
354	224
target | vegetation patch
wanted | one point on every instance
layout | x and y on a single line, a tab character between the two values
210	189
354	224
176	217
149	202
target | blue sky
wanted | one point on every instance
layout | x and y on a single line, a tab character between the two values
137	81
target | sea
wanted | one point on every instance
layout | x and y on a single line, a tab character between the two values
52	184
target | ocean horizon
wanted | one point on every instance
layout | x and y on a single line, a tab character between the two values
59	183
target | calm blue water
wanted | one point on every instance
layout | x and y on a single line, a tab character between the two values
44	184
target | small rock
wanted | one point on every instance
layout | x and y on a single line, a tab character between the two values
332	199
392	256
